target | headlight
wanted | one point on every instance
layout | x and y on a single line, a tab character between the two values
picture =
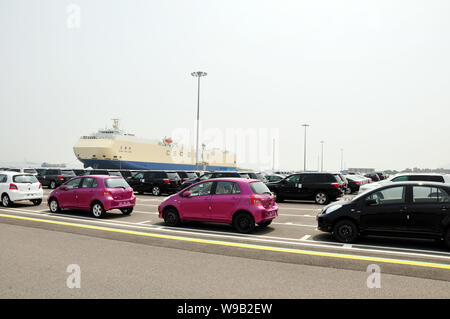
332	209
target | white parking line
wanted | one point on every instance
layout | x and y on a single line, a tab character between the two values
305	237
145	221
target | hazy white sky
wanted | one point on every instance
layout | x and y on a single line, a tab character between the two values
371	77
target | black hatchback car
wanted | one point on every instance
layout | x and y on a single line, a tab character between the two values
155	182
320	187
407	209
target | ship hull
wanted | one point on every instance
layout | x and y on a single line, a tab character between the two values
115	164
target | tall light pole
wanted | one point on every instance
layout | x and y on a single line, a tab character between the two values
321	164
304	150
342	159
198	74
273	155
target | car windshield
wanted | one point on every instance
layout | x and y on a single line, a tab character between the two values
259	188
68	172
24	179
173	175
116	183
191	175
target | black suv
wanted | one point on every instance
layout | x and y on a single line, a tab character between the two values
53	177
210	175
320	187
155	182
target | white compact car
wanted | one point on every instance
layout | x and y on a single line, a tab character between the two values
16	187
403	177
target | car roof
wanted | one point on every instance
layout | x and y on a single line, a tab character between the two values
418	183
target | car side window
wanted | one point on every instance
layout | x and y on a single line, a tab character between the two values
425	194
400	179
201	189
293	179
227	188
89	182
308	179
3	178
389	196
74	183
443	196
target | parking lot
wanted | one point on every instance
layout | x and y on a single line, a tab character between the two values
292	238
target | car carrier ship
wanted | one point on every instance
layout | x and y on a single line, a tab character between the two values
114	148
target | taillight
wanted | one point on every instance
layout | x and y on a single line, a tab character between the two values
106	193
40	186
13	186
60	177
336	185
357	183
255	201
185	179
166	180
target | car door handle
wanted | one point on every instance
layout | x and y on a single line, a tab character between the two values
403	209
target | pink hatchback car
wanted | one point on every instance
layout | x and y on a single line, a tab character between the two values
237	201
96	194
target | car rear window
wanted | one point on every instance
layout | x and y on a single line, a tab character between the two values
24	179
116	183
191	175
259	188
426	178
29	171
173	176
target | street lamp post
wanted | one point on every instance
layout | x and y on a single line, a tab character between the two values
304	150
342	159
198	74
321	164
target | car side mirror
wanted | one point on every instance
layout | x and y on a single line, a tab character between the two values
371	202
63	187
186	194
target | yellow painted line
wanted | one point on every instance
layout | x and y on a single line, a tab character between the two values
240	245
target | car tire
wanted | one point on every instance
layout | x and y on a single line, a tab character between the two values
52	185
97	210
265	224
171	217
54	206
6	202
345	231
156	191
244	223
321	198
447	238
127	211
36	202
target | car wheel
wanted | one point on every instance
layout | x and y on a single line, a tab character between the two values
6	202
52	185
321	198
36	202
244	223
54	206
171	217
447	238
127	211
156	191
265	224
97	210
345	231
348	191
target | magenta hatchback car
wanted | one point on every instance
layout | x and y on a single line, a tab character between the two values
236	201
97	194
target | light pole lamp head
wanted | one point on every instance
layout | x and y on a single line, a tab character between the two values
199	74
